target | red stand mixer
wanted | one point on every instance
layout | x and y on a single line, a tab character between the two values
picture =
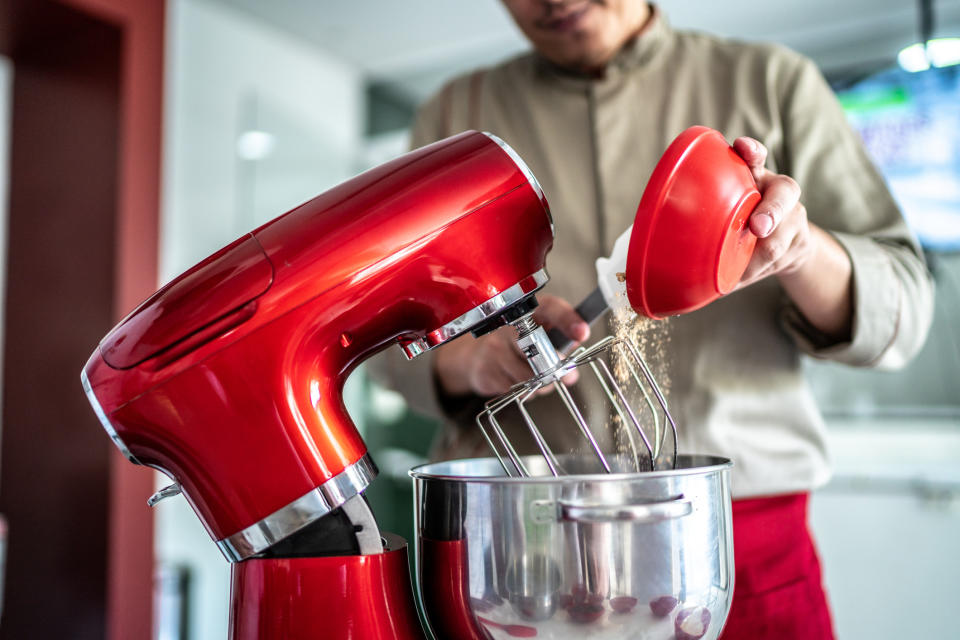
229	379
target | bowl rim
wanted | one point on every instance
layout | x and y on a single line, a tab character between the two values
659	205
712	464
652	200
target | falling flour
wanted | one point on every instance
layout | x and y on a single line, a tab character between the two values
651	339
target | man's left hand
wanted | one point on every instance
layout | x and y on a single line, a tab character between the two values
811	265
784	240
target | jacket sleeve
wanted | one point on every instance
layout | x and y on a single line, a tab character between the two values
845	194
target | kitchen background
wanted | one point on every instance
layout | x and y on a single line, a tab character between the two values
268	104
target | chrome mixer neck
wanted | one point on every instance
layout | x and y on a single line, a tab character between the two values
535	345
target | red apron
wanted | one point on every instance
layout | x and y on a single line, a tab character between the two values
778	592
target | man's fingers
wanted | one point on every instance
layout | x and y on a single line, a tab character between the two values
780	249
780	196
571	378
516	368
754	154
557	313
503	357
493	383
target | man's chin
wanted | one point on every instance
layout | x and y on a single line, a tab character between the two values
585	61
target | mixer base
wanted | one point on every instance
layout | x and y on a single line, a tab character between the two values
354	597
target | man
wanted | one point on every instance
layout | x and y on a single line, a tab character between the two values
836	273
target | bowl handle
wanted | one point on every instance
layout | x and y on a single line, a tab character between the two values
647	512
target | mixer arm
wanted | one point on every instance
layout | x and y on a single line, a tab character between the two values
351	529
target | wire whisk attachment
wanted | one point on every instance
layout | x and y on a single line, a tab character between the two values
636	405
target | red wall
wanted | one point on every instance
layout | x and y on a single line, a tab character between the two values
84	204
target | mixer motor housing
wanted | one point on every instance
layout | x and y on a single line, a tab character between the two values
229	379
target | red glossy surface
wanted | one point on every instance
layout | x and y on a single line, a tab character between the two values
338	598
690	242
221	284
246	412
445	590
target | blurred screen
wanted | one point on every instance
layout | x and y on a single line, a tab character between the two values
910	124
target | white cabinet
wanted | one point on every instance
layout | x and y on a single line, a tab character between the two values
888	528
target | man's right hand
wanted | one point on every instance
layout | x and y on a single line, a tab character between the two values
491	364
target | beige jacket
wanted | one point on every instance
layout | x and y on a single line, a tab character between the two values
734	367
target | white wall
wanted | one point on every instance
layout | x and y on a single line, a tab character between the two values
226	74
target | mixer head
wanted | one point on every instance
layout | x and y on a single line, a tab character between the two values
229	379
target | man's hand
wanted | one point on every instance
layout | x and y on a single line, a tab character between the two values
491	364
812	266
784	239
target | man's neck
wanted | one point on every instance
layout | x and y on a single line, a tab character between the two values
645	15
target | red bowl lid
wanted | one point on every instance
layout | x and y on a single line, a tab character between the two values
690	242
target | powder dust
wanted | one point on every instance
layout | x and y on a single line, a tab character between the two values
651	339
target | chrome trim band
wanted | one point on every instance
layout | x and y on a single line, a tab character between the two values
104	420
475	316
309	507
532	179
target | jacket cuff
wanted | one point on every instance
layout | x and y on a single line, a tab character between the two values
460	410
876	309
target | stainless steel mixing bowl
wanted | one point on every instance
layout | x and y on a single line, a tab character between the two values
586	555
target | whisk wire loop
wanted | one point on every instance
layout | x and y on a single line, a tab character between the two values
630	368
